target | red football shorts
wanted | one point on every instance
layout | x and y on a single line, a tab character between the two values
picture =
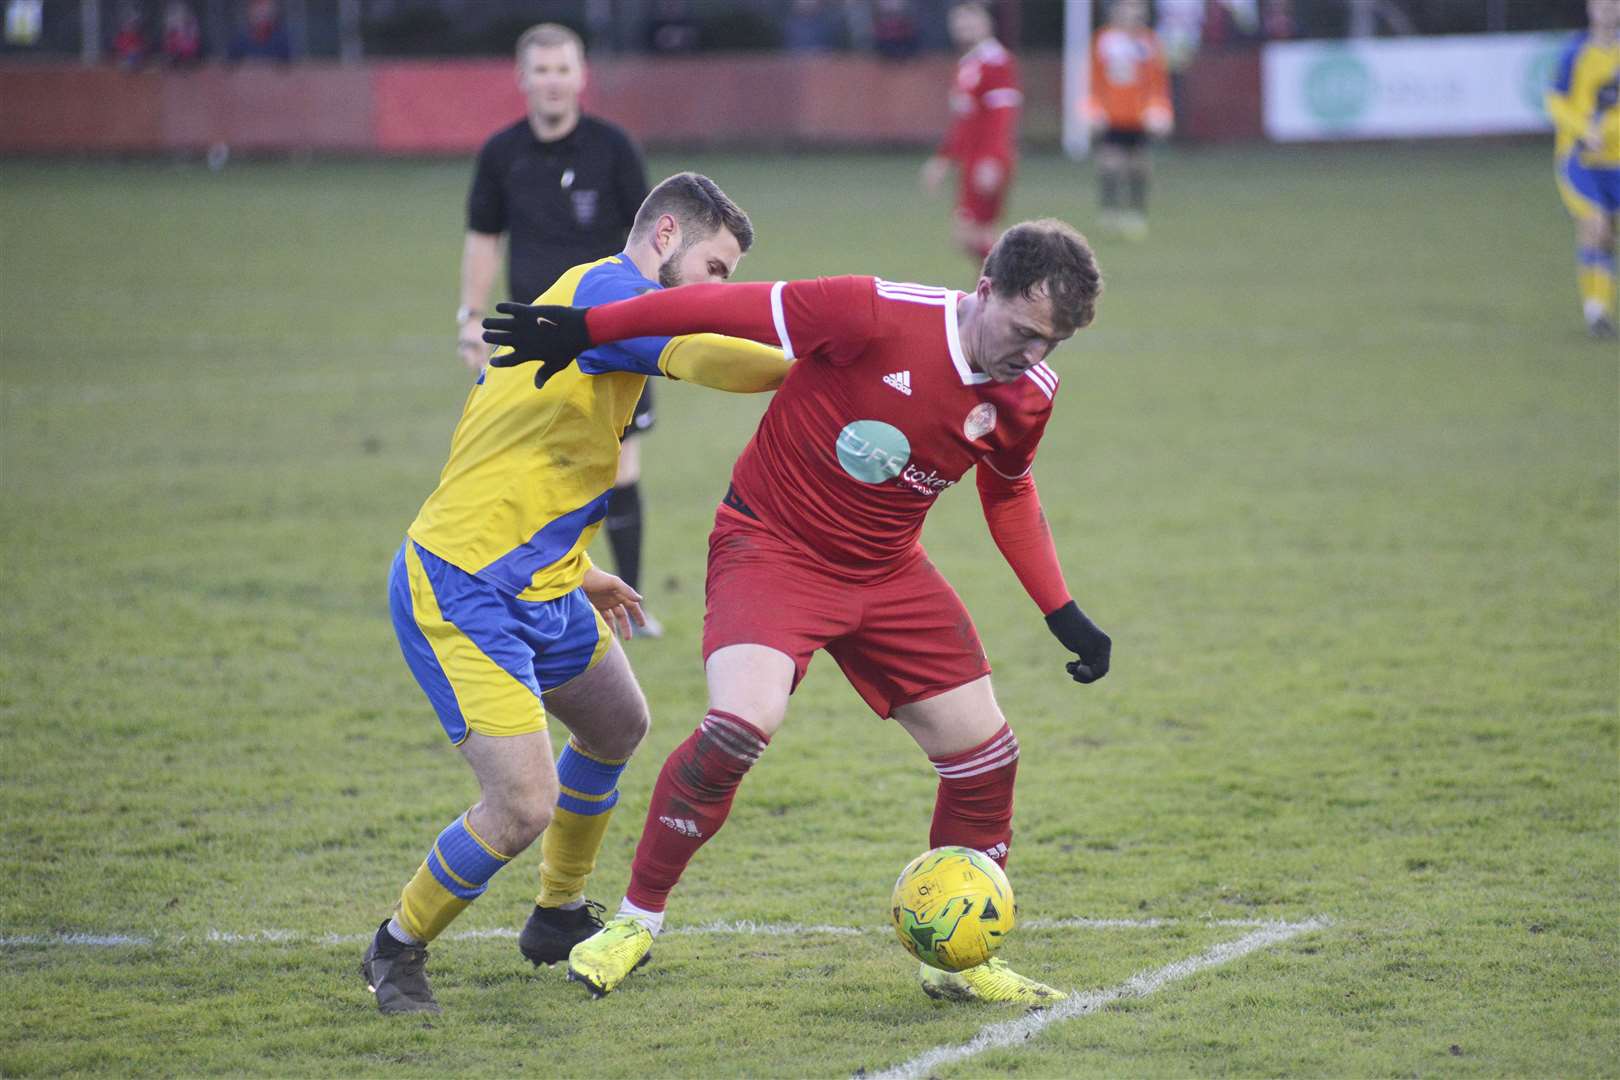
981	207
901	640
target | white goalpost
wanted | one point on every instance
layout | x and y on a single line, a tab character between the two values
1076	77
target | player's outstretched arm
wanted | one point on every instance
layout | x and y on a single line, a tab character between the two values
1012	509
825	316
736	365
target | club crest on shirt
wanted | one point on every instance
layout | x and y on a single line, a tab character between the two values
981	421
584	207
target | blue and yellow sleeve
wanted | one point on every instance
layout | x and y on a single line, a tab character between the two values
1566	116
603	285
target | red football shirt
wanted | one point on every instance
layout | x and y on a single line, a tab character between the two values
879	414
985	99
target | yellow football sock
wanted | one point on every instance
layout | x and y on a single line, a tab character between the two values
454	874
587	792
1596	278
568	855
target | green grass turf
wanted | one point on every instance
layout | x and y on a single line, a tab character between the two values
1336	467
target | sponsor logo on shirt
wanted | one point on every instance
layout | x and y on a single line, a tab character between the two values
981	421
872	451
924	483
900	380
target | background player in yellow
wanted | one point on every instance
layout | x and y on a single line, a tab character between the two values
1584	103
498	608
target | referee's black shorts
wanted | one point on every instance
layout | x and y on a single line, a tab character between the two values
641	421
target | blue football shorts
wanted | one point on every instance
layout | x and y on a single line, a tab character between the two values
1588	192
484	657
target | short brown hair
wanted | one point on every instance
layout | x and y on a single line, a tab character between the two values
698	204
549	35
1050	256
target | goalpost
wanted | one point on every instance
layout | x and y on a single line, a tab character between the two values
1076	77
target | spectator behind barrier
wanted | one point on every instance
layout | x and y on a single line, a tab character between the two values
264	37
129	45
182	34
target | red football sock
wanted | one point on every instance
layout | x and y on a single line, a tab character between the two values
975	801
690	803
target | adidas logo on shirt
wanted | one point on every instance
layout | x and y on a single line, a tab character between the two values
900	380
684	826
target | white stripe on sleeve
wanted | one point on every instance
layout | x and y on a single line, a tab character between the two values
778	318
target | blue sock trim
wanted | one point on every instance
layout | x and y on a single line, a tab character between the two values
1595	256
460	863
588	786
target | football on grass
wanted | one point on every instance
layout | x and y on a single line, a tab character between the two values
952	908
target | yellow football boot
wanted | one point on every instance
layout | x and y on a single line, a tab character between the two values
606	958
992	980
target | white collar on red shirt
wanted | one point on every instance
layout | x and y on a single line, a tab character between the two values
1041	375
953	341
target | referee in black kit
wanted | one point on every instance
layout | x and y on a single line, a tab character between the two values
565	188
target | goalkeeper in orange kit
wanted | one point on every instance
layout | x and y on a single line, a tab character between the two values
1129	103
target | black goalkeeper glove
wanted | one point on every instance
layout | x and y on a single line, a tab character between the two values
549	333
1082	637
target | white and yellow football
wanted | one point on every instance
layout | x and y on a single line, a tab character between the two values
952	908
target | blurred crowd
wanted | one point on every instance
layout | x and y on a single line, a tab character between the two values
175	37
139	33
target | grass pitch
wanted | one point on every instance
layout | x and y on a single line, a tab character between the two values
1335	467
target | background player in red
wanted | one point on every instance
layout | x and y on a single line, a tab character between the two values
982	141
898	391
1129	103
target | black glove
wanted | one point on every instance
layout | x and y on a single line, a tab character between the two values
1082	637
551	334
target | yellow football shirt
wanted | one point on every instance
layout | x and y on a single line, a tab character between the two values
1585	88
530	471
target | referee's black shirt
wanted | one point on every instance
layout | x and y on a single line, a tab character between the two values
562	203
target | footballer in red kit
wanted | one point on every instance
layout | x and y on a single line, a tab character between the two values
845	466
982	141
895	392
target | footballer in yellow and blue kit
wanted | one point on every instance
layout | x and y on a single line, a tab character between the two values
1584	104
485	591
1585	99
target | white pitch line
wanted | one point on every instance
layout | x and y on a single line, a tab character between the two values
750	927
764	929
1014	1032
1082	923
95	941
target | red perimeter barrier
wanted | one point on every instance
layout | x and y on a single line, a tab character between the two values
70	109
451	106
1222	98
310	107
444	107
